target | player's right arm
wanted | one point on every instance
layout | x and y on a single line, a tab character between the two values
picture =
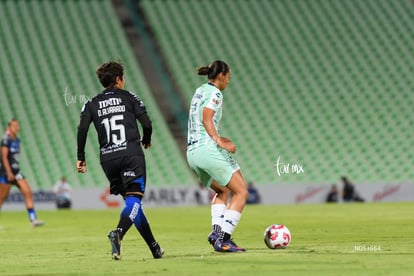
208	124
83	127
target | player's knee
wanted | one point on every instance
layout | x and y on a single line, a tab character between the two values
26	192
239	189
223	193
241	192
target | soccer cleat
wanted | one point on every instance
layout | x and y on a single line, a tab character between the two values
37	223
213	237
115	240
227	246
239	248
157	252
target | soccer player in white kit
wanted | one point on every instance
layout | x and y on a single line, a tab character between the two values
208	154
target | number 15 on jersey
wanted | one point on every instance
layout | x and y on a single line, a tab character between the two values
115	131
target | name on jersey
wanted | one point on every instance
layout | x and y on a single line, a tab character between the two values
111	105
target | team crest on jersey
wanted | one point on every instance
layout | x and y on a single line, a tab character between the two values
217	100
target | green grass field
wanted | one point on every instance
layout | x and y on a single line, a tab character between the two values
340	239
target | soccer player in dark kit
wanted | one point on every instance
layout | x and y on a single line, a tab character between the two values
10	173
114	112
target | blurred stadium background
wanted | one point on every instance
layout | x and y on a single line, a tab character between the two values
327	84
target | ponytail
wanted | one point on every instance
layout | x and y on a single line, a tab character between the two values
214	69
203	70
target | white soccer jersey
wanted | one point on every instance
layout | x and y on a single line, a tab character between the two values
208	96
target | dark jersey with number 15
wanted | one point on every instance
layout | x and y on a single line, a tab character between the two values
114	113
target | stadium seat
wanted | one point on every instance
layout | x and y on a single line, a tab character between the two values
52	49
322	83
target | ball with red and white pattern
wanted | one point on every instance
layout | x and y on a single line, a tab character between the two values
277	236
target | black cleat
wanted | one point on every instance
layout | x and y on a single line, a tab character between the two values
115	240
157	251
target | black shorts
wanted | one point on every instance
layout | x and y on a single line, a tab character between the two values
126	174
17	174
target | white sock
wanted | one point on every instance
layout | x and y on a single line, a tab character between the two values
230	221
217	214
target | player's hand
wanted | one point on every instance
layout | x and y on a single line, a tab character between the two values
146	146
11	177
227	144
81	166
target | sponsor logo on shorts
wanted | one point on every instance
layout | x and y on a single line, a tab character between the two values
129	173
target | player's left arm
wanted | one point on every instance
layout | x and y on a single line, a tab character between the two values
146	130
83	127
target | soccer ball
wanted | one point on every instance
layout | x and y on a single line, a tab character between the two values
277	236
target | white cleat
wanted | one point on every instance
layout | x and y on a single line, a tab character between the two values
37	223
